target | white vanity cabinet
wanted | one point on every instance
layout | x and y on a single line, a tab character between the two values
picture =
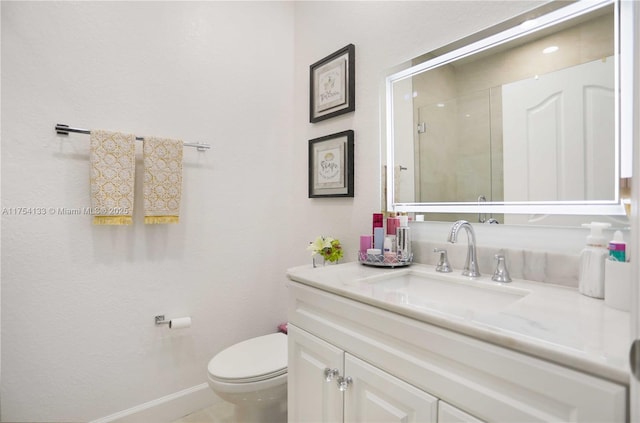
404	369
368	395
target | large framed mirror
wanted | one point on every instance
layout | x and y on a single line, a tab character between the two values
527	120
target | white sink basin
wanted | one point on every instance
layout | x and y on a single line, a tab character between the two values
447	293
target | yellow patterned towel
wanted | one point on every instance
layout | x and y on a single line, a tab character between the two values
112	158
162	180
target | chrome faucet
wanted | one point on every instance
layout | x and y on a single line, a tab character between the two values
471	265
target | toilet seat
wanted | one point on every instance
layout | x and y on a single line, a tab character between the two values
253	360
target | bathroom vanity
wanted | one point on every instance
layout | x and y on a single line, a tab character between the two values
414	345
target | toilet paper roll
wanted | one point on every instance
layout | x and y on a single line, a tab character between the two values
180	323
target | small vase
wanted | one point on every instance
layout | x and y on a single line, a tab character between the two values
319	261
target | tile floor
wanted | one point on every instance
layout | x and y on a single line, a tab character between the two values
221	412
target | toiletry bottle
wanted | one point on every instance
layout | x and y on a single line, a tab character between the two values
378	238
378	231
393	222
403	239
378	221
389	255
617	248
592	257
366	243
387	245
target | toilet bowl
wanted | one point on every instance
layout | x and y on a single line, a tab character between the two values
252	375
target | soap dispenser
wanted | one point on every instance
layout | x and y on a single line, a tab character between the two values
592	257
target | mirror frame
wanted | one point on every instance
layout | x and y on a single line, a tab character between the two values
495	36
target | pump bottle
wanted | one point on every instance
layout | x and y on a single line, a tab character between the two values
592	257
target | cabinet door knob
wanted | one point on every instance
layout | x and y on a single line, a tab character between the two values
344	382
329	374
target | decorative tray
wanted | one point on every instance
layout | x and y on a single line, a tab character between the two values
382	261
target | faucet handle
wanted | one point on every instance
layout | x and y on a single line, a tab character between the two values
443	265
502	273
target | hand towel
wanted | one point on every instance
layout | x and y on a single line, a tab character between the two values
162	180
112	159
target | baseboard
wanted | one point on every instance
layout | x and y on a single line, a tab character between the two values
166	409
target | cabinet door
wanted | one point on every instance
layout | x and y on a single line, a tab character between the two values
447	413
310	397
376	396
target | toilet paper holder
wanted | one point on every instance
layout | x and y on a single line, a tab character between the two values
176	323
160	320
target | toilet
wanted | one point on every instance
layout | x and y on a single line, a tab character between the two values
252	375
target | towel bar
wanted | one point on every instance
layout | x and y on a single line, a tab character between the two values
62	129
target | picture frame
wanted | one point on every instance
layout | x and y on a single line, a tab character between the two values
332	85
331	165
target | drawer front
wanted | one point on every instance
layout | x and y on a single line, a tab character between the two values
492	383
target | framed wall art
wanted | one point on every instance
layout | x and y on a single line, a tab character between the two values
333	85
331	165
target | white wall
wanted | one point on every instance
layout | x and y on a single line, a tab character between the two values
78	301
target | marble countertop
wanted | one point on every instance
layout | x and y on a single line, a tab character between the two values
548	321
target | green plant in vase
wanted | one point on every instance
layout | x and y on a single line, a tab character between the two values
327	247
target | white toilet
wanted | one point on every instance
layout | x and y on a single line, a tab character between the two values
252	375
